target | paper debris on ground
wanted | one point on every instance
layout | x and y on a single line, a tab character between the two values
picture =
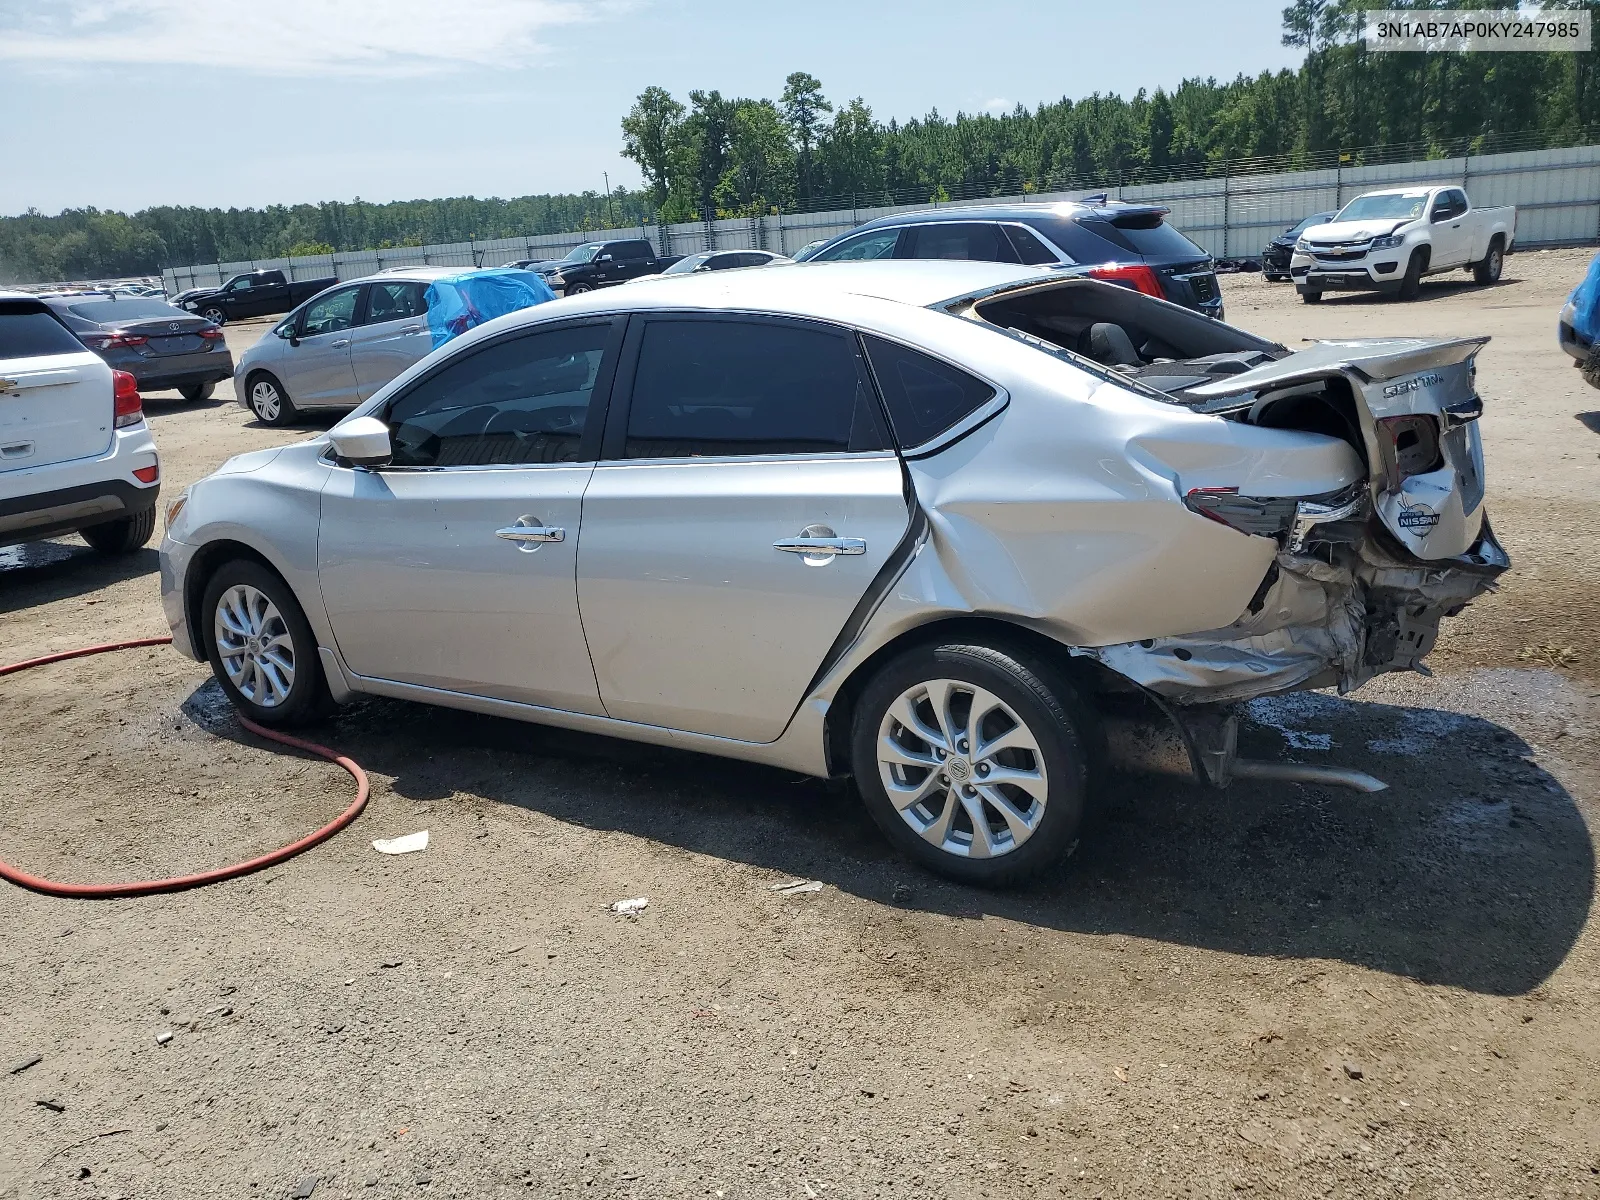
402	845
630	908
796	887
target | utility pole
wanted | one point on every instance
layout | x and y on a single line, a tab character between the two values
606	175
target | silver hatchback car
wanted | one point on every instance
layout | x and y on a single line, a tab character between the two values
931	524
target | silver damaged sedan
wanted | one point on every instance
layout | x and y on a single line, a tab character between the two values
936	525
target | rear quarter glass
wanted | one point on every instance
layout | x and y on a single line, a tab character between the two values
28	331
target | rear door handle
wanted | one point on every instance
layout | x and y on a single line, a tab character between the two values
822	545
531	533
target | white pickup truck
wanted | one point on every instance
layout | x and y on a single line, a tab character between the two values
1388	240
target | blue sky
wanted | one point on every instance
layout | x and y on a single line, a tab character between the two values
128	103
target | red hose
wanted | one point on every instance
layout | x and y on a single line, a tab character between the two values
179	883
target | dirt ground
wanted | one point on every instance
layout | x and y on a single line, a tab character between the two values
1283	990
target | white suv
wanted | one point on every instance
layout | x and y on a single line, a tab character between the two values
75	453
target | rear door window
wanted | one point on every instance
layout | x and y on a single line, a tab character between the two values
979	241
879	243
524	400
27	331
394	302
924	396
708	388
631	251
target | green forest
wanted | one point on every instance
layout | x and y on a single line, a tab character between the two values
713	156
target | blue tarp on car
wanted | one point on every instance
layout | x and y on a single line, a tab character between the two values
1586	303
458	303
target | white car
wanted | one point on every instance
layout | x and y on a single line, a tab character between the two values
1388	240
933	524
75	453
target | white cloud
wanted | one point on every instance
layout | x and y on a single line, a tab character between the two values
998	105
288	37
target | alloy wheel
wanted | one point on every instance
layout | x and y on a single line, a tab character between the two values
963	770
255	646
265	400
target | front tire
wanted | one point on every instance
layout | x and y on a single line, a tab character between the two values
1488	271
1310	295
1411	283
122	536
261	647
215	315
577	289
974	761
269	402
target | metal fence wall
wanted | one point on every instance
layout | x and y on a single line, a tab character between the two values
1557	194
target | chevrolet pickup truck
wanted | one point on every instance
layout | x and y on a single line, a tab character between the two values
1388	240
253	294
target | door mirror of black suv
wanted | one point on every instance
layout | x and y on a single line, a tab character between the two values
604	258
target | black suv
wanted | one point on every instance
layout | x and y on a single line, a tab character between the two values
1127	244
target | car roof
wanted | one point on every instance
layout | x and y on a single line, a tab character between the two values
417	274
1007	212
803	290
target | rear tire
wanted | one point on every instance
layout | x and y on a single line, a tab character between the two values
1411	282
270	403
924	783
1311	295
260	645
122	536
194	393
215	315
1488	271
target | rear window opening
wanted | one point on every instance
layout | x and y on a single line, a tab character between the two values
1164	350
1144	232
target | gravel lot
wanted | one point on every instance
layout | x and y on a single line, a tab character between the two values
1285	990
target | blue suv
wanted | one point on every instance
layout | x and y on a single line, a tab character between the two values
1127	244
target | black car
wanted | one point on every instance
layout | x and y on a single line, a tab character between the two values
1122	243
159	345
1275	258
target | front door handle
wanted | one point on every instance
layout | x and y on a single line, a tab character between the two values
340	344
525	534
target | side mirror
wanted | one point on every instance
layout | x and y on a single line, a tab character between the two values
362	442
604	258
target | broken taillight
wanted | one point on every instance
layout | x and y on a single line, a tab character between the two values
1268	517
1408	446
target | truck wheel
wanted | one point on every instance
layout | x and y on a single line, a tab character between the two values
1411	284
577	289
269	402
1488	271
1310	295
124	536
215	315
